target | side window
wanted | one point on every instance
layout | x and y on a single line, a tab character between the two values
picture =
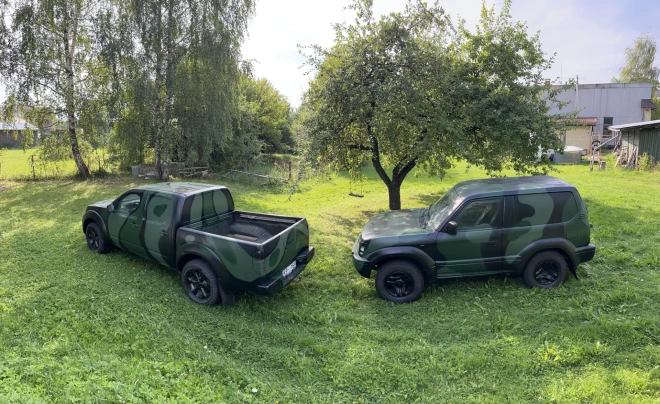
159	210
128	204
546	208
480	214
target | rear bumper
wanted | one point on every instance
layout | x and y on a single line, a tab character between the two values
584	254
275	283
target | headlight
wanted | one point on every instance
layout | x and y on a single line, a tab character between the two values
363	247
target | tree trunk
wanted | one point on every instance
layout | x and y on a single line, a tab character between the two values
69	93
159	113
399	174
394	191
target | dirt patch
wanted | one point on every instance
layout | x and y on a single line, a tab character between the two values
2	188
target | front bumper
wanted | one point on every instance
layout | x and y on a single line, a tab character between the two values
584	254
362	265
274	284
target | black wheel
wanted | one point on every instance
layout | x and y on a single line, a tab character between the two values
201	284
544	270
95	240
399	282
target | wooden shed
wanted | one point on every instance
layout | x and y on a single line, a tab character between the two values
645	136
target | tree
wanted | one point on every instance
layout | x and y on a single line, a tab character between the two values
639	67
188	51
46	61
408	90
269	110
639	62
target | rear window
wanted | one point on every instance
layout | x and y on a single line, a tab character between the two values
545	208
206	205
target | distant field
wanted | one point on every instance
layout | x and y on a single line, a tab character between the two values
16	165
76	326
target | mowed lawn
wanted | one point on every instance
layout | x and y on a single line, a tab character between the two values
16	163
77	326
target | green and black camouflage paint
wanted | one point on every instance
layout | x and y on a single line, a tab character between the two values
174	216
531	210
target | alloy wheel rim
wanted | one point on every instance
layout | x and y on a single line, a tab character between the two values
198	284
546	272
92	238
399	284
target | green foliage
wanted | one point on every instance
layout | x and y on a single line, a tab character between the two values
646	162
639	62
183	72
269	111
50	64
410	90
81	327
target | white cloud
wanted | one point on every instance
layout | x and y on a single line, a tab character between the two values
589	39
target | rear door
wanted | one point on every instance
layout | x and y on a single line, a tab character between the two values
158	232
477	246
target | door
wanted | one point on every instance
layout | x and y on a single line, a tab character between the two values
476	248
158	230
125	222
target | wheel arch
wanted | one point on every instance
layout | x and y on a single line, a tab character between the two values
94	217
561	246
192	251
418	257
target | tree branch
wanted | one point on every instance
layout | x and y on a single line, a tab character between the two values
375	160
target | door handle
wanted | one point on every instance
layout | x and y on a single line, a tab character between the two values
134	224
490	243
164	233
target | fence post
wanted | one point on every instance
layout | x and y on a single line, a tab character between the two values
289	164
0	168
34	175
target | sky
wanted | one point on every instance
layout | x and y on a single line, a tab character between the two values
588	36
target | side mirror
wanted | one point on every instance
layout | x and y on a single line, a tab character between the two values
451	227
111	208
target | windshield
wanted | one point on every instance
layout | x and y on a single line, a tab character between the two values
438	211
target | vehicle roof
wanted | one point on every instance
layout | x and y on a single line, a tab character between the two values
510	185
181	188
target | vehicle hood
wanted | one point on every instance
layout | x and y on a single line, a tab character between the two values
101	204
394	223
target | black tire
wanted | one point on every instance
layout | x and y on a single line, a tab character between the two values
201	284
95	240
399	281
545	270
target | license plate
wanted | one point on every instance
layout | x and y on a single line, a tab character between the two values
289	269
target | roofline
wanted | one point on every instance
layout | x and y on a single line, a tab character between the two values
209	187
636	125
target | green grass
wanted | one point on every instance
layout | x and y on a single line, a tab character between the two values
77	326
16	164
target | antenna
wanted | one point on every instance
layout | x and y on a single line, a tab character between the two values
577	81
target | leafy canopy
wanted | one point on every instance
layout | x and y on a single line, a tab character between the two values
410	89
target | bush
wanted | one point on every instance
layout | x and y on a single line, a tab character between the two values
646	162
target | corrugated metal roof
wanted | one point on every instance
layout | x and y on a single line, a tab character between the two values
579	121
16	126
637	125
648	104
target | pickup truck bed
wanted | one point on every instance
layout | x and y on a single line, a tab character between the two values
245	226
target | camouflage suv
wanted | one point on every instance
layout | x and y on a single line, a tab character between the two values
533	226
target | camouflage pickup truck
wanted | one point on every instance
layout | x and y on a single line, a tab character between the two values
194	229
533	226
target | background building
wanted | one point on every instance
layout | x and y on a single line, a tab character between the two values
600	106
